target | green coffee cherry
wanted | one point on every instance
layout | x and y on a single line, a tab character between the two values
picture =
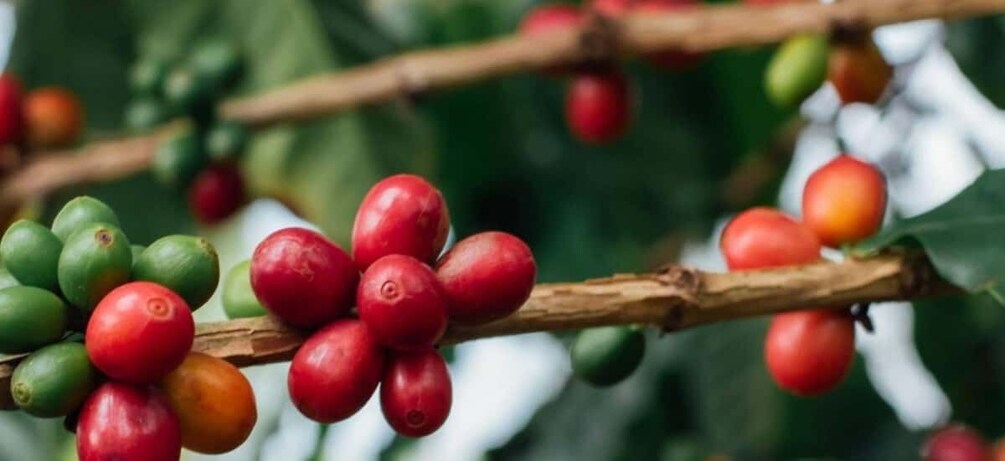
30	252
239	299
180	158
94	261
136	250
798	68
188	92
605	356
218	62
226	141
147	76
30	318
80	212
54	380
7	280
146	113
187	265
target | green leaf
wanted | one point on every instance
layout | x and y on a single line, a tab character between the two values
961	237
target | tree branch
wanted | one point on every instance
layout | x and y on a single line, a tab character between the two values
672	299
701	29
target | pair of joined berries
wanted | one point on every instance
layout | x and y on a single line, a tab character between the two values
598	106
403	302
49	117
810	352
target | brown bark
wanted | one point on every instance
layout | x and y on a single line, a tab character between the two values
673	299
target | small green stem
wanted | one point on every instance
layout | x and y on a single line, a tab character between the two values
319	446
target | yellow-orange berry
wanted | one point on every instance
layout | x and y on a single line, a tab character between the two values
844	201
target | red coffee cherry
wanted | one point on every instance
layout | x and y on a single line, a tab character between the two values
674	60
401	302
127	423
547	18
763	237
139	332
11	115
402	214
598	107
611	8
844	201
486	277
217	193
955	442
415	394
858	70
335	372
810	352
53	117
303	278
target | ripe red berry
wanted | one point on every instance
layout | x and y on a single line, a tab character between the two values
127	423
955	442
810	352
858	71
11	115
763	237
53	117
611	8
486	277
402	214
598	107
401	302
335	372
139	332
217	193
303	278
675	60
547	18
415	394
844	201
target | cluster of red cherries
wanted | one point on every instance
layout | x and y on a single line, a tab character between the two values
404	300
44	118
810	352
598	105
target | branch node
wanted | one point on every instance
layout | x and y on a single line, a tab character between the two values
598	41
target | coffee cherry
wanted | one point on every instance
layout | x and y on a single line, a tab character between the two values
611	8
335	372
858	71
486	277
53	117
796	70
844	201
763	237
415	394
810	352
139	333
146	113
303	278
226	141
402	214
238	298
147	76
30	252
216	193
54	380
607	355
95	259
184	264
30	318
180	157
80	212
11	114
189	92
548	18
214	403
401	302
598	107
218	62
123	422
955	442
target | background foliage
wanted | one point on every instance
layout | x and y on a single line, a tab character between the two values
503	157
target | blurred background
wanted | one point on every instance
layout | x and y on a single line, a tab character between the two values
706	143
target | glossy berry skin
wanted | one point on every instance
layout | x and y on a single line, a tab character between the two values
216	193
402	214
956	442
53	117
415	394
844	201
303	278
214	403
123	422
401	302
486	277
858	71
139	333
598	107
763	237
335	372
11	114
810	352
